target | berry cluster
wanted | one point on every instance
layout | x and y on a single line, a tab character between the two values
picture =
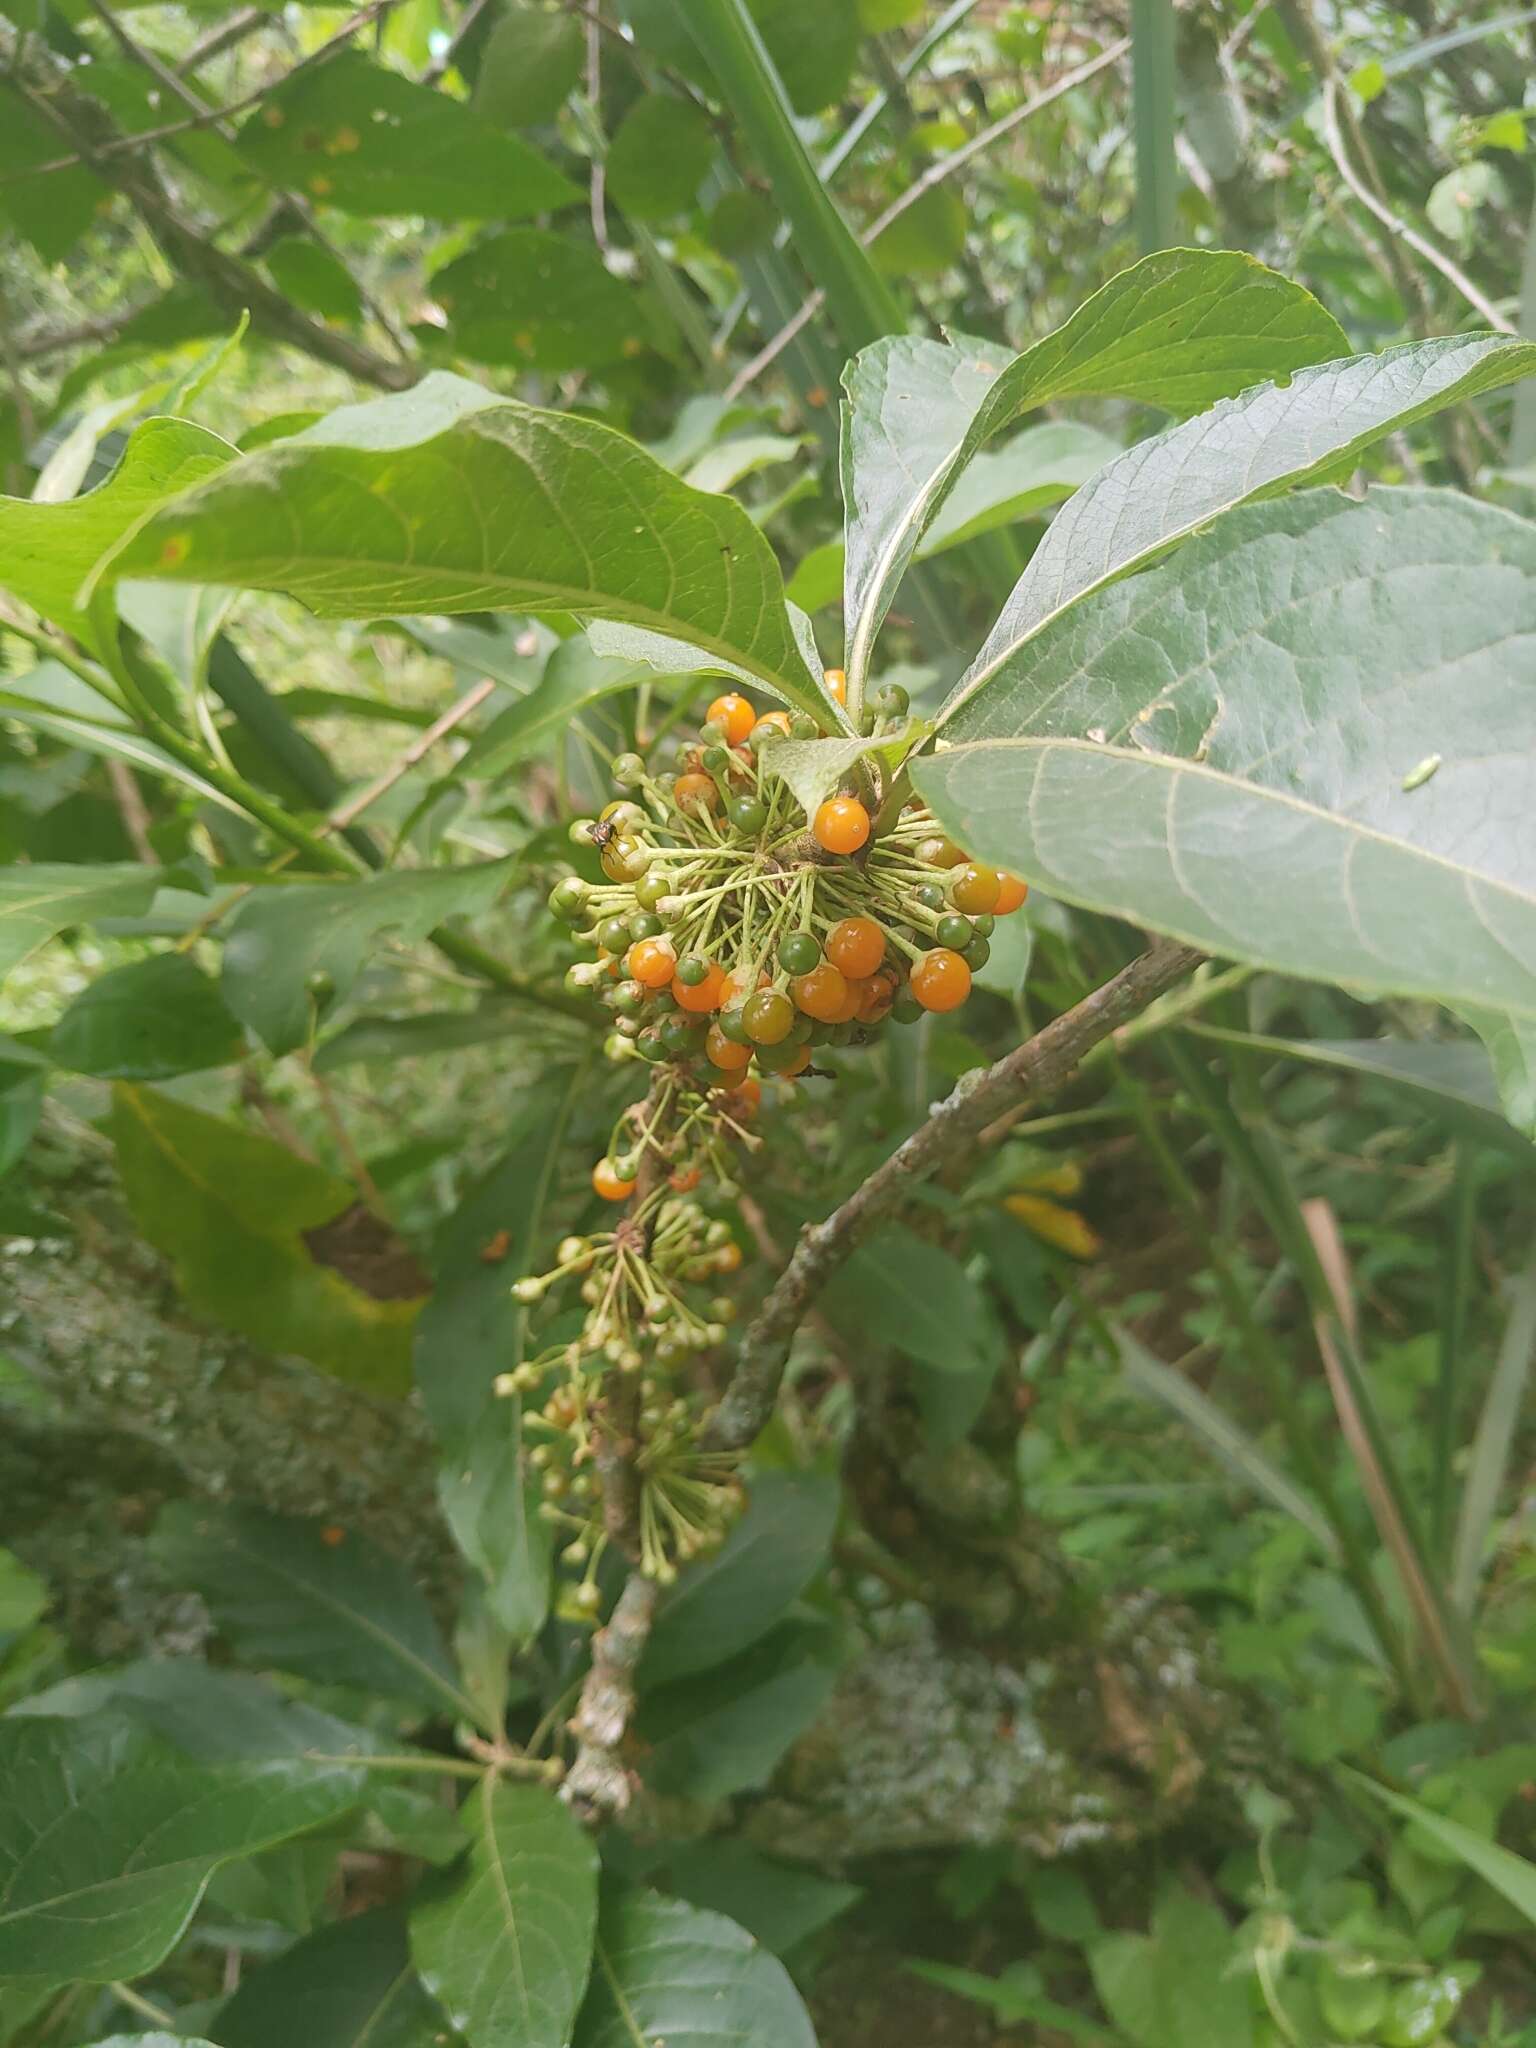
647	1286
730	932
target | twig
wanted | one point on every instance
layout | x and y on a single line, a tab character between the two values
48	86
936	173
1036	1069
598	1784
132	810
1394	223
223	38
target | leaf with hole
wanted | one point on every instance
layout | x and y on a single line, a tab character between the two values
316	1600
1219	748
1179	330
264	1241
505	1941
442	500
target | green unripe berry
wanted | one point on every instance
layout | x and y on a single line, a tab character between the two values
732	1022
955	932
711	733
628	998
892	701
651	1043
984	925
681	1034
773	1059
691	970
802	726
624	815
976	954
579	831
799	952
800	1031
716	760
931	896
567	900
906	1009
650	888
748	814
628	770
613	935
645	924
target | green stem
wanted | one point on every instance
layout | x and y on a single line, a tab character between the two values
862	305
1154	91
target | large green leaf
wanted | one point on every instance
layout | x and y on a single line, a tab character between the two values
146	1021
506	1941
282	938
47	551
1179	330
667	1971
351	1985
448	499
241	1218
767	1561
107	1841
1233	748
212	1716
359	137
37	902
540	301
338	1611
1163	490
899	1290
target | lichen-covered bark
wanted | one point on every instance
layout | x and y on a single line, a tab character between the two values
122	1401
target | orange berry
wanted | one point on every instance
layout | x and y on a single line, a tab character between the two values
607	1183
941	980
1011	893
821	993
841	825
797	1065
975	889
691	790
837	683
939	852
685	1180
651	962
724	1052
728	1257
875	999
700	997
856	946
779	720
733	714
853	995
735	984
747	1094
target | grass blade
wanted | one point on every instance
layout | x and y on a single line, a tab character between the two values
1228	1442
1154	93
1494	1440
